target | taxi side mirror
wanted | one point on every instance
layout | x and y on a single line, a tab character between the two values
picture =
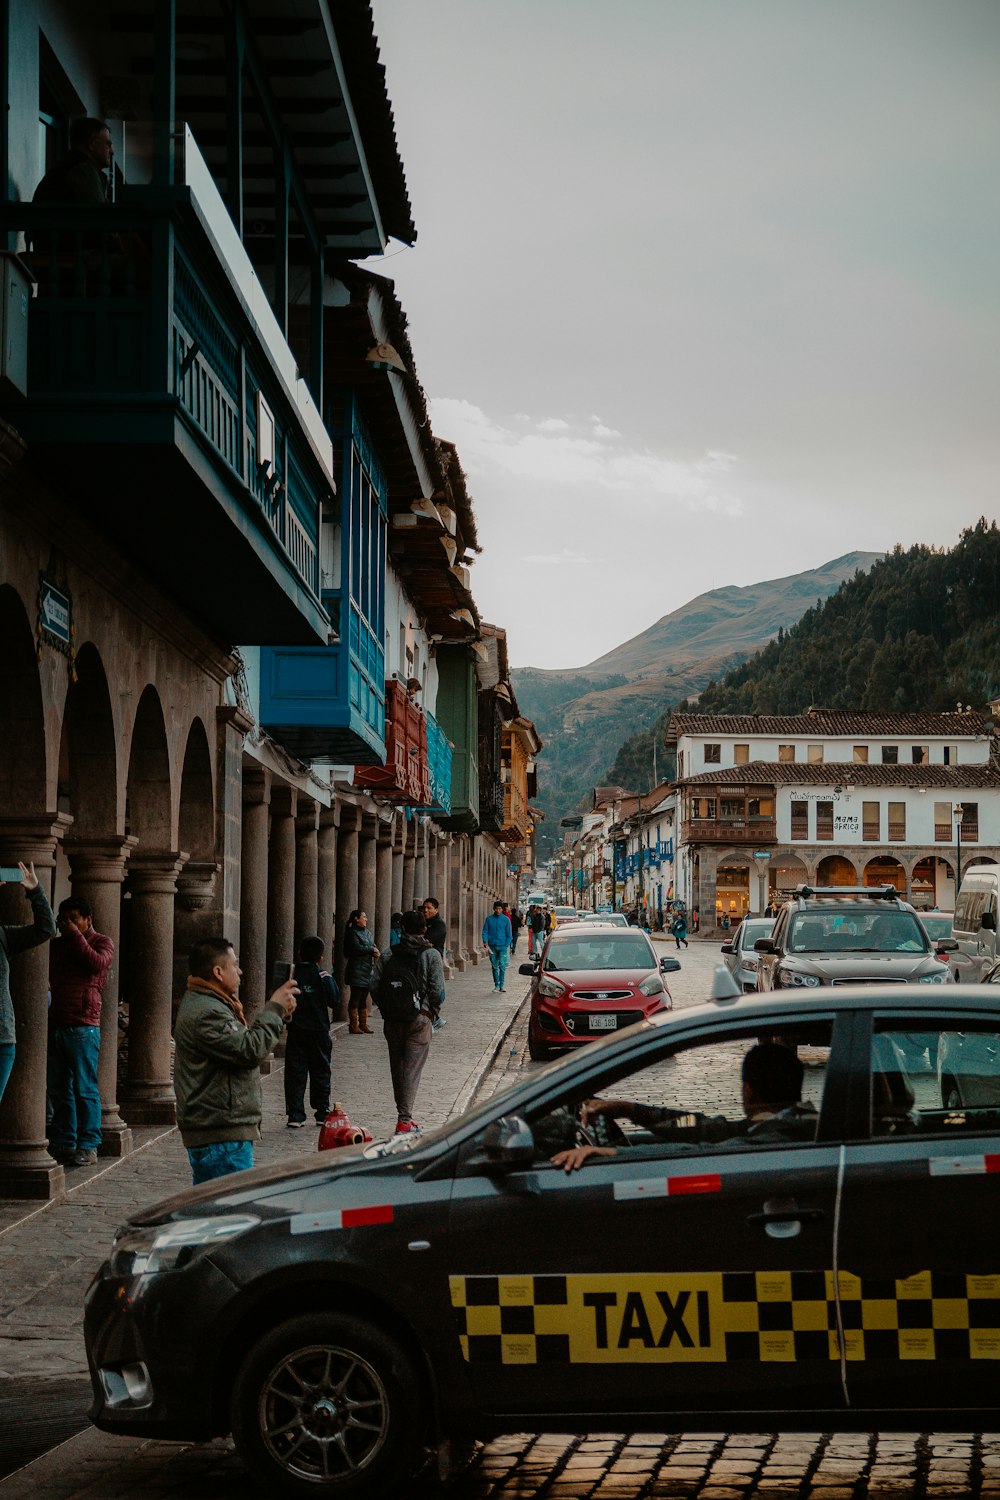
528	969
509	1142
988	921
728	948
945	945
670	965
765	945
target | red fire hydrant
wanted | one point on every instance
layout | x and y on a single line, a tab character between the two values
337	1130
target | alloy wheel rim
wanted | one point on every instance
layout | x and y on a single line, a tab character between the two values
323	1413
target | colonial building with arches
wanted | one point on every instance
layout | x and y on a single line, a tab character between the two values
833	798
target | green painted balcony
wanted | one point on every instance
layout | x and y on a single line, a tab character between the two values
165	402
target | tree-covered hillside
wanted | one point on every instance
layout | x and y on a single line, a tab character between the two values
919	630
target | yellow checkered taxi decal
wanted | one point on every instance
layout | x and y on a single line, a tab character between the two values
717	1316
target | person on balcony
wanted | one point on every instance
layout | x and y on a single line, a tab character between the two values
79	176
360	954
497	938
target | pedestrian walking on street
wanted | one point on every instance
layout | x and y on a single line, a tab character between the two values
497	938
680	929
79	960
536	929
395	928
360	954
18	939
516	923
409	992
437	936
308	1047
217	1061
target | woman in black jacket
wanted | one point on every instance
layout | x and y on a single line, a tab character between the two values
360	953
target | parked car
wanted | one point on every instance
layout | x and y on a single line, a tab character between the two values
565	914
830	1265
739	955
937	924
848	935
975	928
593	978
610	918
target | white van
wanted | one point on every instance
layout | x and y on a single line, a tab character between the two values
975	929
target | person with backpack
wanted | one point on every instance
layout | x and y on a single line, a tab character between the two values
360	954
536	930
308	1047
516	923
409	991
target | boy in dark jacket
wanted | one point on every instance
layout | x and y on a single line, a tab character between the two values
307	1043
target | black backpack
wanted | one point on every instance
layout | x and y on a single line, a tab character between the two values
398	992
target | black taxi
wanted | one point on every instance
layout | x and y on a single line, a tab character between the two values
770	1209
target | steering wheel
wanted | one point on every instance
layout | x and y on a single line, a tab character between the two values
583	1135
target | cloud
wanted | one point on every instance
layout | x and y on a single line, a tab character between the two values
557	453
565	556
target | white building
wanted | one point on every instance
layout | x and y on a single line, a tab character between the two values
832	798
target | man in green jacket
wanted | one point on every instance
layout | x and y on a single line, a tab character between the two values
217	1061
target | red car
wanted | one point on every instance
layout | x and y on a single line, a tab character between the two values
592	980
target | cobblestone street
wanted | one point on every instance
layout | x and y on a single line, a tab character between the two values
48	1256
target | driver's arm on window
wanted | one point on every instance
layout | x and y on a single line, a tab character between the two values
574	1158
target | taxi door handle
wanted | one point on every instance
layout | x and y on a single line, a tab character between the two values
786	1215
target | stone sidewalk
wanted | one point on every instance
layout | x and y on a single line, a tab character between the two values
49	1252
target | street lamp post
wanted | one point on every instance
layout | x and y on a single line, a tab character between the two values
958	812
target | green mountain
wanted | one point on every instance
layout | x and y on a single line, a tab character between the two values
584	714
919	630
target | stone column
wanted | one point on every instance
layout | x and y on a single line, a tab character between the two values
409	867
420	865
398	845
306	870
456	907
253	888
432	866
347	878
367	868
26	1168
280	886
326	879
232	727
97	869
383	886
148	1095
442	889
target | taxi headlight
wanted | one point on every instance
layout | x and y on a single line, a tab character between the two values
940	978
144	1251
791	976
551	988
651	985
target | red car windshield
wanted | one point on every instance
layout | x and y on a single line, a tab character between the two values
604	950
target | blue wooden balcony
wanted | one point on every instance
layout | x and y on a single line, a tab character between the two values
167	407
440	761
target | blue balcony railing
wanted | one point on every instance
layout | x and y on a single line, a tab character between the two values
439	760
149	377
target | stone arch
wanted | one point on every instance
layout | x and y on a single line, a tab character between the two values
88	753
979	859
885	869
836	869
23	764
150	798
735	885
197	797
787	869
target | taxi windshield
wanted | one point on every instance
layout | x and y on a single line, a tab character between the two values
605	950
856	932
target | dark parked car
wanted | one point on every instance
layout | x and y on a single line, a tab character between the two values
593	979
822	1261
738	953
849	935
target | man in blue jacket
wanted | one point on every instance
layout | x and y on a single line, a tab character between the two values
497	938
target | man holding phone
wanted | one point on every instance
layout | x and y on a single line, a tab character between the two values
217	1061
18	939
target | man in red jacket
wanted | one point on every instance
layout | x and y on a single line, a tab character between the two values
79	960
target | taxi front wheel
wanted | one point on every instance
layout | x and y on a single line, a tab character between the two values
327	1405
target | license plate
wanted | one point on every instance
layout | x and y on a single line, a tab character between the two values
604	1023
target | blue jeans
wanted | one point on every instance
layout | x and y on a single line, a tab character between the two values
208	1162
6	1064
73	1091
498	962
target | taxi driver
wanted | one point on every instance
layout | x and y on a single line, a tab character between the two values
772	1090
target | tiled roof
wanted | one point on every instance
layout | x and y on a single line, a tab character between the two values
819	721
841	773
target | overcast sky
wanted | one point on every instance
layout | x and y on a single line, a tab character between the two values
706	291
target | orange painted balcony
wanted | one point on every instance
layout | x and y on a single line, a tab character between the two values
405	777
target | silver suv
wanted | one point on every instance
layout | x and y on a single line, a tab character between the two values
849	935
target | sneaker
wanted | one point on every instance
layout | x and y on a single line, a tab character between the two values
438	1022
403	1127
85	1158
296	1124
501	990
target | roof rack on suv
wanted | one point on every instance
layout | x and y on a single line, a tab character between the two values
876	892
